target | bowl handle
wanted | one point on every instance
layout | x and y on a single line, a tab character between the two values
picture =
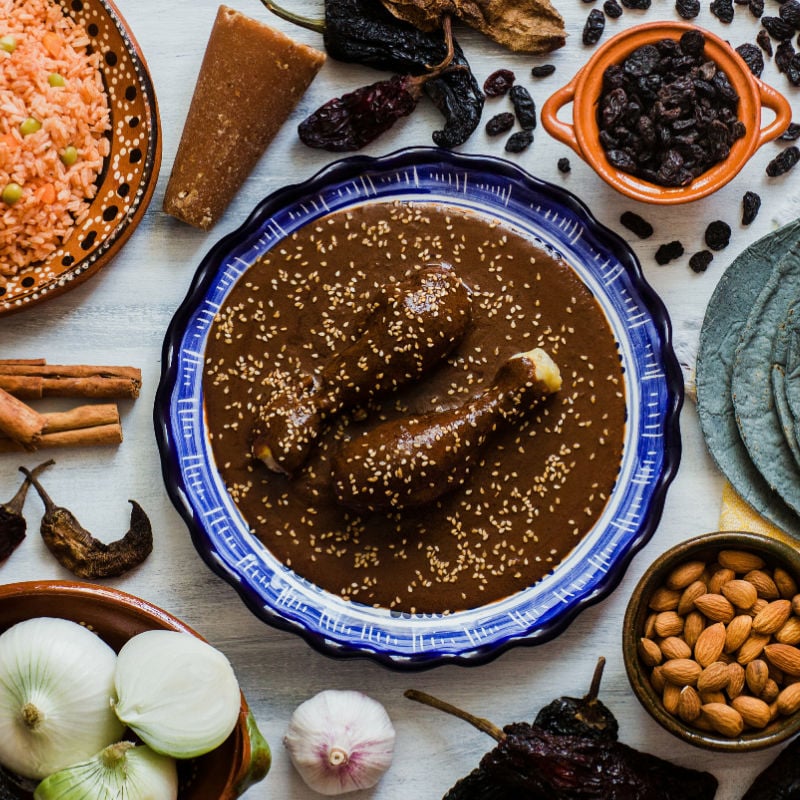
562	131
256	759
775	101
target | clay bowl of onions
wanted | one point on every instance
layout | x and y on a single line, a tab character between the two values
98	678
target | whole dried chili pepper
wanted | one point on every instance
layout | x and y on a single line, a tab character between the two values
364	32
531	762
780	780
83	555
12	523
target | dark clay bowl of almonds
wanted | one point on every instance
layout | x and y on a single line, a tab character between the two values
711	641
666	112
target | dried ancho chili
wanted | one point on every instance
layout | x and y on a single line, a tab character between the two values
12	523
363	32
83	555
666	113
498	83
780	780
571	753
783	162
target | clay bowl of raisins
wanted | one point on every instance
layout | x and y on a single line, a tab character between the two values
711	641
666	112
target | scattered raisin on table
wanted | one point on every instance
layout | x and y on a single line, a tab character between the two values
500	123
784	53
777	28
524	107
543	70
687	9
756	7
722	10
791	133
790	12
764	42
638	5
751	203
669	252
700	260
519	141
594	27
751	55
793	70
498	83
613	9
783	162
564	165
718	234
636	224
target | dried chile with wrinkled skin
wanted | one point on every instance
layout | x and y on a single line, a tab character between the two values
756	8
543	70
764	42
780	780
718	235
524	107
636	224
722	10
751	55
594	27
500	123
668	252
700	260
83	555
777	28
519	141
783	162
612	9
751	203
563	165
12	524
687	9
791	134
498	83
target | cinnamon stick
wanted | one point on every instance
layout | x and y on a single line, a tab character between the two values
19	421
79	380
29	361
99	435
81	417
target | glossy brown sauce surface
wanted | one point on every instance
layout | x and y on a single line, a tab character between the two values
538	486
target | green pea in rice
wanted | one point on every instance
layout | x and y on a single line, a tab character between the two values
38	41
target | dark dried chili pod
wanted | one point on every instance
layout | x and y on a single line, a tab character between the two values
83	555
12	523
780	780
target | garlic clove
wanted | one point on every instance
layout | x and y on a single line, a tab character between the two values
121	771
340	741
56	681
176	692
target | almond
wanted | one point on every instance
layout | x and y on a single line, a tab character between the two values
664	599
671	698
657	679
683	575
714	606
737	632
758	606
668	623
650	625
735	680
789	699
718	579
770	691
681	671
784	657
713	678
764	584
689	595
789	633
724	719
674	647
756	674
755	713
693	627
710	644
752	648
787	586
649	652
740	561
712	697
771	618
688	704
796	604
740	592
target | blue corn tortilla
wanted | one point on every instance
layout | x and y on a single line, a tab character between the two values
792	375
780	357
726	315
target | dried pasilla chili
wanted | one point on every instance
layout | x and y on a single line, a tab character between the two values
780	780
565	757
12	523
83	555
364	32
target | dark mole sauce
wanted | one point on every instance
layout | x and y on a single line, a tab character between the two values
539	486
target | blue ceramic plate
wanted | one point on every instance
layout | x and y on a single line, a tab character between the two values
651	448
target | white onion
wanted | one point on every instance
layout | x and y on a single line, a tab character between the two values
56	685
176	692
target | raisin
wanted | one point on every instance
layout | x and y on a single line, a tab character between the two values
793	70
543	70
519	141
638	5
764	42
718	234
784	53
699	261
524	107
756	7
635	224
692	42
564	165
790	12
687	9
613	9
722	10
668	252
594	27
498	83
751	55
777	28
783	162
751	203
791	133
500	123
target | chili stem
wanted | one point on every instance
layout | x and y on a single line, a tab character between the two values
594	689
478	722
447	30
310	23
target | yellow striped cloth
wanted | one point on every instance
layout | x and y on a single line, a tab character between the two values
736	515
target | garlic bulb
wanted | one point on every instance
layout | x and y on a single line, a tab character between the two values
176	692
56	683
121	771
340	741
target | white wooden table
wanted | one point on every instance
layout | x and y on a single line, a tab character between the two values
120	316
